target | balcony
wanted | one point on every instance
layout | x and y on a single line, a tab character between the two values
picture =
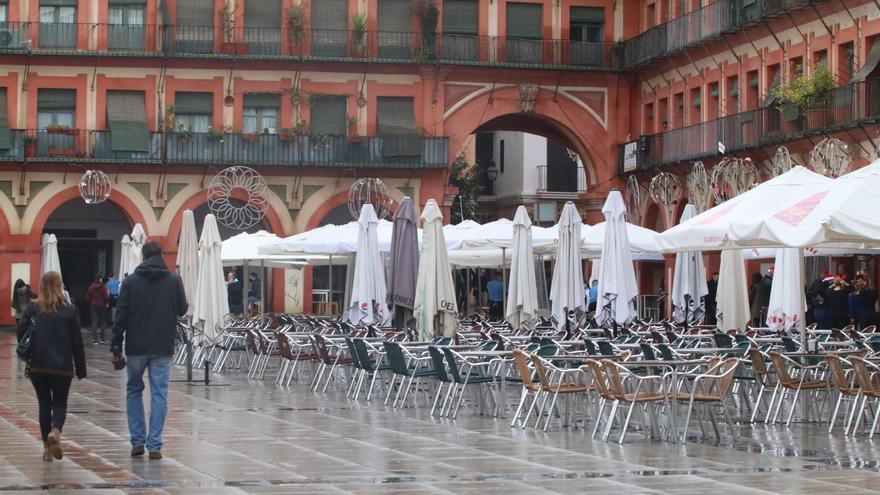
847	107
271	43
65	144
701	25
565	181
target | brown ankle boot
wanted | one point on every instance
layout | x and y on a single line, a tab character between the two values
47	456
54	444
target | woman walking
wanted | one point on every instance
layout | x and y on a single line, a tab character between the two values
56	356
22	295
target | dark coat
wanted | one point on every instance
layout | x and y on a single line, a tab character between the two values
150	301
56	342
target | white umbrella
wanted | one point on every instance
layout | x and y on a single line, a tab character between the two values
367	303
135	256
188	257
785	311
733	295
211	302
689	279
49	261
617	278
124	257
522	291
435	295
567	290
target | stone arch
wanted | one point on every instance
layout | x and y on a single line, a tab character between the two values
654	218
560	116
38	217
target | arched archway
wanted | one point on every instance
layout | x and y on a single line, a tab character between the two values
88	244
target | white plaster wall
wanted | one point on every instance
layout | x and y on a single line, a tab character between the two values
523	153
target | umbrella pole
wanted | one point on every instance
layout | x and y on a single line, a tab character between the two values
262	286
503	283
244	292
467	294
330	282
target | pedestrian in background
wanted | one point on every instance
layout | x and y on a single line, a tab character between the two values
57	355
495	290
710	300
113	284
150	301
98	298
22	295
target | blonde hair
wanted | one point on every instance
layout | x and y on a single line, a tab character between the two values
51	293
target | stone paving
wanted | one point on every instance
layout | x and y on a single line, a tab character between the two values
253	437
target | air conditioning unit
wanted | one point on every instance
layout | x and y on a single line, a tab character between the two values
9	39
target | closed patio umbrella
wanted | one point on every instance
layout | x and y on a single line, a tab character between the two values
367	303
733	295
211	302
49	261
567	285
435	295
688	280
785	311
617	279
188	257
138	239
125	257
404	266
522	291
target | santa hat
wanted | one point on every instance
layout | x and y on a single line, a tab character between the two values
827	277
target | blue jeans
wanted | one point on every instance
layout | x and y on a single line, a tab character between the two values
159	367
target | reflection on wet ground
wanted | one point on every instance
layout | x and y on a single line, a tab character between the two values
252	437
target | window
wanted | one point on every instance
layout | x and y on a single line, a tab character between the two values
678	110
753	89
395	29
732	94
696	106
396	124
846	64
125	30
260	114
127	121
795	67
58	24
329	28
649	119
194	32
663	108
193	112
329	115
5	134
587	31
524	33
714	107
262	31
868	70
55	107
820	58
774	75
3	12
460	29
650	16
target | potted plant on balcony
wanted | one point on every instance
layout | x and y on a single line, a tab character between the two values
428	14
30	146
806	96
353	135
219	133
359	36
299	129
252	137
184	134
169	118
60	129
295	18
227	22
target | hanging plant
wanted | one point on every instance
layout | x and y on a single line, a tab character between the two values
227	21
296	24
428	14
359	35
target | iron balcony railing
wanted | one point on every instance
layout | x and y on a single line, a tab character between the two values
706	23
568	180
311	44
64	144
845	107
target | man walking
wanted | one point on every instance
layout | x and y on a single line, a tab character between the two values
150	301
99	301
113	284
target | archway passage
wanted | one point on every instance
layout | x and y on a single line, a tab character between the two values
89	244
200	212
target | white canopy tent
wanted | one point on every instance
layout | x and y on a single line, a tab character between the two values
244	249
641	242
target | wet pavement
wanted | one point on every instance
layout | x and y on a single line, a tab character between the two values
253	437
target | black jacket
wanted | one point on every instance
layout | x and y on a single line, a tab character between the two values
56	342
150	301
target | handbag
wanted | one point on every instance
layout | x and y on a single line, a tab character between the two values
25	345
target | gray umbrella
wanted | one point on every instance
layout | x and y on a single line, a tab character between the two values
404	266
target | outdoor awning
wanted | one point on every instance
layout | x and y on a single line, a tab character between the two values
870	63
127	121
5	133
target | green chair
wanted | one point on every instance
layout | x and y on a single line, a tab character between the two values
408	367
470	373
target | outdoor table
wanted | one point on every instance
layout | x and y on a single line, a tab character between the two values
707	350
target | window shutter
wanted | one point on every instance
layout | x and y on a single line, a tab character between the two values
56	99
330	15
57	3
524	20
195	13
114	3
262	101
5	133
460	16
587	15
127	121
194	103
262	14
397	127
395	16
329	115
